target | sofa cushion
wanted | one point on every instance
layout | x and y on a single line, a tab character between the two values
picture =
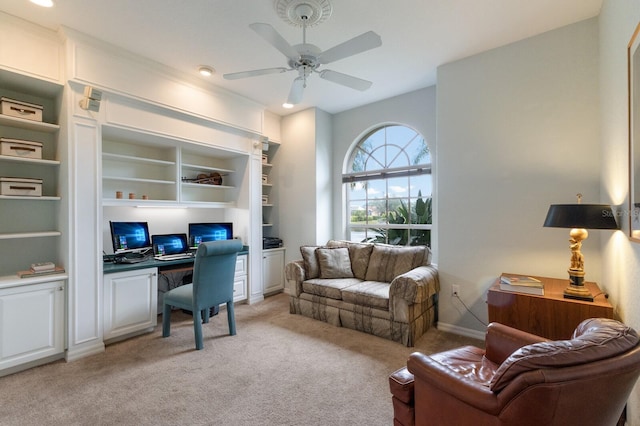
334	262
593	340
331	288
368	293
387	262
359	253
310	260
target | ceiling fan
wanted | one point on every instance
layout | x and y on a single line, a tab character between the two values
307	58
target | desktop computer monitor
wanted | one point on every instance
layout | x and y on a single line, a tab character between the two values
202	232
130	237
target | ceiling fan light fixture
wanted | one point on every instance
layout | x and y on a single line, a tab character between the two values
205	70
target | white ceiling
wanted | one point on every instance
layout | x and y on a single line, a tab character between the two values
417	37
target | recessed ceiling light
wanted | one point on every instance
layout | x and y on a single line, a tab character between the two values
43	3
287	105
206	71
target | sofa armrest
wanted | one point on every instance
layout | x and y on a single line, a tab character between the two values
502	340
415	286
439	380
295	275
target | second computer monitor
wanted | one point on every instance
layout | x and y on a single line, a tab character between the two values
212	231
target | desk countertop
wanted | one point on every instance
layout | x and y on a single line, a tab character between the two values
110	268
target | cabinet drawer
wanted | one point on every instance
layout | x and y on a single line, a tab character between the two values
241	265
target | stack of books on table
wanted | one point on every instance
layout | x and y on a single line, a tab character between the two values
44	268
521	284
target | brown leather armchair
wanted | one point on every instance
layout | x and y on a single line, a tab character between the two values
522	379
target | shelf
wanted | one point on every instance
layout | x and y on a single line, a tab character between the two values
200	185
30	160
267	165
28	124
28	198
267	205
267	224
167	203
14	280
20	235
206	168
139	180
132	159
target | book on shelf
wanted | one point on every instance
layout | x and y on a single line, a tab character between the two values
32	273
539	291
520	280
43	266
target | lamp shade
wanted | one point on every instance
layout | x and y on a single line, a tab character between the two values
587	216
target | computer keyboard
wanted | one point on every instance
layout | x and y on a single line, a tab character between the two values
174	256
133	258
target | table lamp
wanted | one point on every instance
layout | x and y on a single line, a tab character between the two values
579	217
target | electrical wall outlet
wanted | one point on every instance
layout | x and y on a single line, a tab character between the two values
455	290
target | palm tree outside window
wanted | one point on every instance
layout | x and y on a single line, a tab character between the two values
388	185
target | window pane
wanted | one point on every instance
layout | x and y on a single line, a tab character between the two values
420	237
398	187
357	190
358	234
377	189
421	211
422	184
376	160
396	157
375	140
358	212
397	236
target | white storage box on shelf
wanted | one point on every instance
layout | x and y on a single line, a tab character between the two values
21	186
21	109
20	148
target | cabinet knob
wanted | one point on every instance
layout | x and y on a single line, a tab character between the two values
61	288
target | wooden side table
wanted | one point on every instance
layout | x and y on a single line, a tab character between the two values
551	316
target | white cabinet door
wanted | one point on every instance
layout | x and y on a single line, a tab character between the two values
130	302
240	280
31	323
273	270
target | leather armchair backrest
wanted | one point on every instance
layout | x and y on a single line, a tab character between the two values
594	339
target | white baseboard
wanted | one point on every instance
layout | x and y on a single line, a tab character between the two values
467	332
82	351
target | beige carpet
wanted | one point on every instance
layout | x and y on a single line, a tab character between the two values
280	369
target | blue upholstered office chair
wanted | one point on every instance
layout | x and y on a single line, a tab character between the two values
213	276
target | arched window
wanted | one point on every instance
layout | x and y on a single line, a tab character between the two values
388	186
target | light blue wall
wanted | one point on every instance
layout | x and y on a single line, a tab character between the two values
517	131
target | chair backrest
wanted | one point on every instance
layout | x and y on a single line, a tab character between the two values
214	272
594	339
585	380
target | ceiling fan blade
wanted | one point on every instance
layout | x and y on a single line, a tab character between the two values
245	74
361	43
275	39
346	80
295	94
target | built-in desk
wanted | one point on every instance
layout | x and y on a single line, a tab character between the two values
133	291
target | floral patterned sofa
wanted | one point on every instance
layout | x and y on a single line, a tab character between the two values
388	291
